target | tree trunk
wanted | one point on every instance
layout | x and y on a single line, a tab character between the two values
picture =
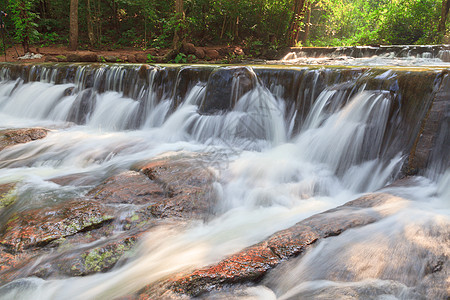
295	25
178	36
307	25
444	14
90	24
73	36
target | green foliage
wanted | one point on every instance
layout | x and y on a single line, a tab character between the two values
24	19
257	25
150	58
365	22
181	58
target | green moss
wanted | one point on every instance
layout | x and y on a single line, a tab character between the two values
134	218
102	259
13	218
8	198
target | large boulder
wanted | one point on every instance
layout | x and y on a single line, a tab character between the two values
252	263
224	88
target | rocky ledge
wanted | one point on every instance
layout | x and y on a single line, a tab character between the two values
11	137
83	236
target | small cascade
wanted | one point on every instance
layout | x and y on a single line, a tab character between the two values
370	55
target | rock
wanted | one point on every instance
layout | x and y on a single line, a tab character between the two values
199	53
91	57
7	195
434	134
128	187
189	48
238	51
143	71
167	188
36	228
10	137
141	57
111	58
219	90
212	54
51	59
252	263
131	59
79	237
72	57
86	262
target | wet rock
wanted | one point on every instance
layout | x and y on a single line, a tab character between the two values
37	228
434	134
166	189
219	90
128	188
7	195
101	258
252	263
143	71
12	137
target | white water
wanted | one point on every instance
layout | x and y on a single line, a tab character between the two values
267	181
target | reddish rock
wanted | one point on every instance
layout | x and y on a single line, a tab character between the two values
252	263
212	54
39	227
141	57
200	53
189	48
128	188
12	137
168	188
91	57
131	59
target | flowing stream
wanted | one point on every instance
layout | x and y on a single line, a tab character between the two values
277	162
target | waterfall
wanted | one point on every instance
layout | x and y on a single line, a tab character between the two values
284	144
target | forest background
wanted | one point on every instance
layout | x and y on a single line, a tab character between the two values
253	24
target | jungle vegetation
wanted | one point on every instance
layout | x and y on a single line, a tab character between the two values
250	23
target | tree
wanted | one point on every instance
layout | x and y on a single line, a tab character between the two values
179	28
24	19
444	14
73	35
296	21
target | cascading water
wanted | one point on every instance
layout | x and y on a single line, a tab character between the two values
277	162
